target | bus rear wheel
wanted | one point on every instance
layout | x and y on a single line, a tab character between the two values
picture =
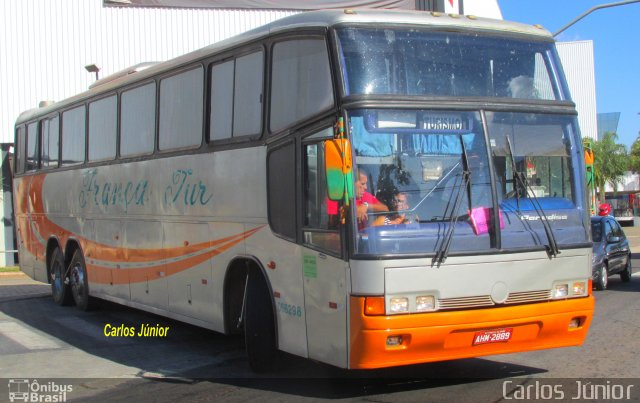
60	289
259	324
79	282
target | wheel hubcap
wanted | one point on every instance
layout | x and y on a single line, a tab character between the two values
604	278
56	277
77	274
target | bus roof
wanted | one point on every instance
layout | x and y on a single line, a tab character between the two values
311	19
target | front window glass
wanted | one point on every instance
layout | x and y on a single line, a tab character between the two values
418	175
534	172
417	62
423	182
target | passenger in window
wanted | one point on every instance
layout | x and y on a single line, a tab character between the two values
399	207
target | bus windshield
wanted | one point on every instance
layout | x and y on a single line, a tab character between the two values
425	63
431	173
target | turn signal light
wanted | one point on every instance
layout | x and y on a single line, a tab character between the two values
374	306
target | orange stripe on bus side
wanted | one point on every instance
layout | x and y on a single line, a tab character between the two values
107	253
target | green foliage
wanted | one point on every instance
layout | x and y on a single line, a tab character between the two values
634	156
610	162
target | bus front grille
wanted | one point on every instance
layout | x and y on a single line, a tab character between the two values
524	297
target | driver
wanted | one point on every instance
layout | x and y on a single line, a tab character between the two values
365	202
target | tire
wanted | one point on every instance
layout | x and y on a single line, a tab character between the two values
603	278
625	275
259	324
60	288
79	282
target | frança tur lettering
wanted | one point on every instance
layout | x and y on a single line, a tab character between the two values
182	190
112	193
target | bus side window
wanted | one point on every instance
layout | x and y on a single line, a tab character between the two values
20	150
32	146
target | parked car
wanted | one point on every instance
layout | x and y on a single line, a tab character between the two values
611	252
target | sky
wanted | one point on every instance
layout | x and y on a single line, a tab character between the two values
615	33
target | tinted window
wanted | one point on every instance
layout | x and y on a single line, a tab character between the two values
221	101
20	150
617	231
420	62
73	136
301	81
32	146
281	190
181	110
138	120
102	129
50	143
596	231
247	105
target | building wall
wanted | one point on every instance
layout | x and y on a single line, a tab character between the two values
45	44
578	64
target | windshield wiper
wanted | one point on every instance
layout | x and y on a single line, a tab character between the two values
519	177
465	183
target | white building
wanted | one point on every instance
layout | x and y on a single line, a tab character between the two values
578	64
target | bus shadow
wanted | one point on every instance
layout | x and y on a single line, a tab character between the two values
301	379
343	384
190	358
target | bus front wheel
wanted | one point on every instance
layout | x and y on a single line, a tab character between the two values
79	282
259	324
60	290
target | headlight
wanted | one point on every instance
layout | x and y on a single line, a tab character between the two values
399	305
425	303
579	288
560	291
570	289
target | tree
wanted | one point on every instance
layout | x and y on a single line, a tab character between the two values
634	156
610	162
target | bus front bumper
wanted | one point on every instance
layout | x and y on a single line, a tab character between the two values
387	341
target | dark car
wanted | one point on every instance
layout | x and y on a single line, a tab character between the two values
611	253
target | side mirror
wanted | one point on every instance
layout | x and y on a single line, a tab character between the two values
338	166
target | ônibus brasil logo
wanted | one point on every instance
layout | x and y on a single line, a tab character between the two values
25	390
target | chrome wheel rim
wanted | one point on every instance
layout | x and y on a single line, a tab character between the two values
57	282
77	281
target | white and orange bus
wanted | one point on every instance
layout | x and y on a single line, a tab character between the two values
363	188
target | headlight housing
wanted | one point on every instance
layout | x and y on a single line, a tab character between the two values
570	289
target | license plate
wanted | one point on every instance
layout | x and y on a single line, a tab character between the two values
492	336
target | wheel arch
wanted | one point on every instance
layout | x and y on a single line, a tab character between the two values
52	244
70	248
234	291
